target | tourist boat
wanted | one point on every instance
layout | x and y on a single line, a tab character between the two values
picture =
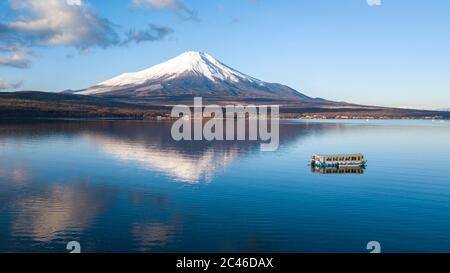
336	161
340	170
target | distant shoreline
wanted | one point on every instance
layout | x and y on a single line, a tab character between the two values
173	119
40	105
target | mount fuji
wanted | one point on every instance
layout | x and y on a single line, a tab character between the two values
194	74
152	93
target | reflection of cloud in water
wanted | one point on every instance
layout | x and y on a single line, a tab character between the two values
20	176
62	209
18	173
152	235
188	168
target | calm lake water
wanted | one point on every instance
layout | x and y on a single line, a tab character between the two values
126	186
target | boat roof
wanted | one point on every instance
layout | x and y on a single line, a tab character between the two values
337	155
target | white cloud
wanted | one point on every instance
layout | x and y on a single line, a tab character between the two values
74	2
374	2
15	56
176	5
158	4
152	33
9	86
61	22
70	23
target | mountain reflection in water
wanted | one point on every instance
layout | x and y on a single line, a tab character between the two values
126	186
151	146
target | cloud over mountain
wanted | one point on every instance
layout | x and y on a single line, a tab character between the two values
70	23
152	33
59	22
178	6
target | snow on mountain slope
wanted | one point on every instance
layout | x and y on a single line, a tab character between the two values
199	63
192	74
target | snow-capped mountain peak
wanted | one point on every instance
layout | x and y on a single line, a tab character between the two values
199	63
192	74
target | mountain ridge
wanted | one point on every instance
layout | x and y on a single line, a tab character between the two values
194	74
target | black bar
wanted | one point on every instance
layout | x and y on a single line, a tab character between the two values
225	262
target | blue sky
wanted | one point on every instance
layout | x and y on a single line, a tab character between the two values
396	53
